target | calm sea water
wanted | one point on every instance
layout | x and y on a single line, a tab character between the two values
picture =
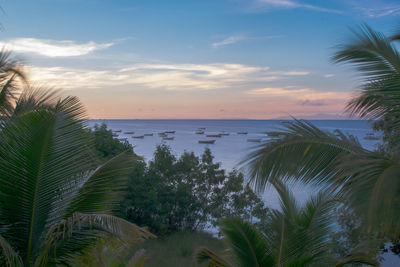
228	150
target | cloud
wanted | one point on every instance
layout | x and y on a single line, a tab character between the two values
277	91
286	3
160	76
163	76
237	38
329	75
290	4
52	48
228	41
305	96
290	73
309	102
378	12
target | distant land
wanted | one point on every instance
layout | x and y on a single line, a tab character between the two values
319	117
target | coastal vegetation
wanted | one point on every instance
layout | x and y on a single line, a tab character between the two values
190	193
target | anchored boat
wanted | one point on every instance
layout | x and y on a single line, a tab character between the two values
206	141
213	135
254	140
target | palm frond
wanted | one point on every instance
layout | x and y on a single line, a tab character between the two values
41	154
357	260
373	188
33	99
7	97
209	258
378	61
371	52
9	67
248	246
296	232
9	257
102	189
302	152
68	238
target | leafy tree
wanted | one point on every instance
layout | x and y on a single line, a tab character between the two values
171	194
105	145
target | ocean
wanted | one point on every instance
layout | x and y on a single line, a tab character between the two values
230	149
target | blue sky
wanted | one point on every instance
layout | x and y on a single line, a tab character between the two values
254	59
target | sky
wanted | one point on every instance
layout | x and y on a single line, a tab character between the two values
206	59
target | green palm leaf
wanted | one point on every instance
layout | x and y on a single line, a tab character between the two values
102	188
47	156
302	152
378	60
248	246
296	232
208	258
9	257
7	96
68	238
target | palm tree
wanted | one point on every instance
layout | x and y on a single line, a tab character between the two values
294	236
10	74
54	201
369	181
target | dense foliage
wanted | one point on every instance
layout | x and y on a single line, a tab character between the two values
105	146
191	193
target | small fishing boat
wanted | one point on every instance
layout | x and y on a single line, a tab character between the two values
224	134
199	132
242	133
168	138
138	136
213	135
148	134
129	132
273	134
117	131
206	141
254	140
202	128
371	136
169	132
162	134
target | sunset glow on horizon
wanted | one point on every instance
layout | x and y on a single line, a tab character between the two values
211	59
